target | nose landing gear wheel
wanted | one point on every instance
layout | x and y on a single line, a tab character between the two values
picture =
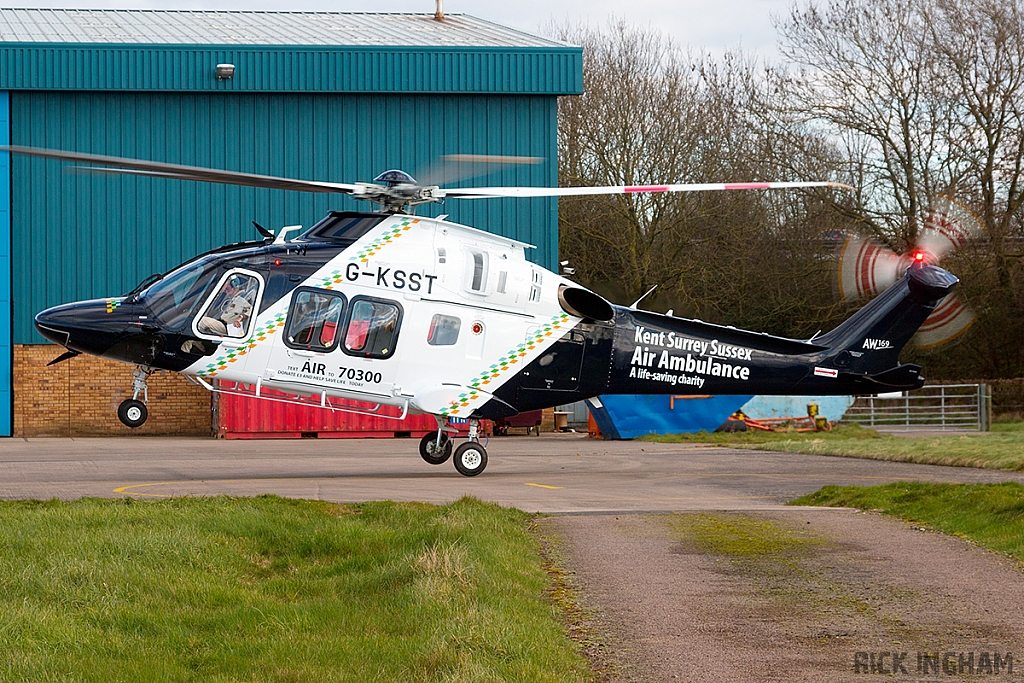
470	459
431	452
132	413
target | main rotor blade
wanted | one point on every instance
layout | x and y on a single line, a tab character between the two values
490	192
452	168
180	172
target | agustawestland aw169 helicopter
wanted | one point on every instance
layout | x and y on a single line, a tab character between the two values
422	315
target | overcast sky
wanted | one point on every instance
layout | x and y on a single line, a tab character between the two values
715	25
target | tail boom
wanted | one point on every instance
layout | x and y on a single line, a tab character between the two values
659	354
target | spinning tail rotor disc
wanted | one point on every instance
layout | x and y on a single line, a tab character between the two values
866	268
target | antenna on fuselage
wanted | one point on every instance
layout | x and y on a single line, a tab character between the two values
266	234
637	302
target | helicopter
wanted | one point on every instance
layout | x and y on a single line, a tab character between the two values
384	310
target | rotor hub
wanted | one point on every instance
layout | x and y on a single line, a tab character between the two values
395	177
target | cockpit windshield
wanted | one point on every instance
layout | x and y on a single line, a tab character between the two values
174	298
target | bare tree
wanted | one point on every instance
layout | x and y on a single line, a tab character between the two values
652	114
922	98
904	100
638	122
867	78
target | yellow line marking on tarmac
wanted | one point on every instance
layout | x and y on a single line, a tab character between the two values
790	476
124	489
542	486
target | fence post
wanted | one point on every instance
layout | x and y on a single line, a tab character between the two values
942	404
984	408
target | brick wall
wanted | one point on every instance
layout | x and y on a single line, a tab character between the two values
79	397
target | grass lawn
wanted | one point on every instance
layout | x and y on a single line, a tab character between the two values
1002	448
269	589
992	515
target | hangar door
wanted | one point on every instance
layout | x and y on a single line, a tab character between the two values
6	346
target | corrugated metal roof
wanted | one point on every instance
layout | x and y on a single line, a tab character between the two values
181	27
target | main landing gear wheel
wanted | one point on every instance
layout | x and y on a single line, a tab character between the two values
432	452
470	459
132	413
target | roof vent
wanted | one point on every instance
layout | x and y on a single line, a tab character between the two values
439	12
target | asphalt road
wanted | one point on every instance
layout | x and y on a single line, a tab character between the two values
563	473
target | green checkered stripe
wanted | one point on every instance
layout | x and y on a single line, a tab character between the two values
261	334
504	364
331	280
112	305
389	236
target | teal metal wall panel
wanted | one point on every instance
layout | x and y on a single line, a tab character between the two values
78	236
6	347
477	70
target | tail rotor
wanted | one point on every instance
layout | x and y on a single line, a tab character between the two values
867	268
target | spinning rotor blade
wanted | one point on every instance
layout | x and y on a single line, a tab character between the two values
948	227
948	321
397	196
866	268
179	172
490	192
452	168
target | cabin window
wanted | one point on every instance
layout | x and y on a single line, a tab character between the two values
502	279
314	319
372	330
230	311
444	330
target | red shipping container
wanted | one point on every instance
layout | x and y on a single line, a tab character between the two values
246	417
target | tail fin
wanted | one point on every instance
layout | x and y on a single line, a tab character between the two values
870	341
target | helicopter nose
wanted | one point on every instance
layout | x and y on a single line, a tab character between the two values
86	326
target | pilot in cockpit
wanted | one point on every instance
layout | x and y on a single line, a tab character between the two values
231	310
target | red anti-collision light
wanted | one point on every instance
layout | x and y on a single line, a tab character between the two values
277	262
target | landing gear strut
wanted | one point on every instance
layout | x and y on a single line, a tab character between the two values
470	457
436	447
132	412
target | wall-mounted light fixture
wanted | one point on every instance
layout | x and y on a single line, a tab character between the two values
225	71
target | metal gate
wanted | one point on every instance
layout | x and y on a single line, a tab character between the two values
934	407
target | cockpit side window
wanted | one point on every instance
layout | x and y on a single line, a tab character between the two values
372	330
314	319
231	309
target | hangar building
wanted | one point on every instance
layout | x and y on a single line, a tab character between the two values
315	95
